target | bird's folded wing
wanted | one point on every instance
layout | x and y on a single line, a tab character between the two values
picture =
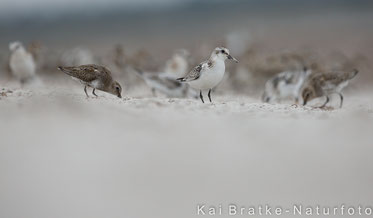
85	73
196	72
330	79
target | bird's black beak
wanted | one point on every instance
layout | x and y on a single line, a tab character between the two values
232	58
119	95
305	100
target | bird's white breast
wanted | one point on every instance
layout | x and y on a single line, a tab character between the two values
210	77
97	84
94	84
341	86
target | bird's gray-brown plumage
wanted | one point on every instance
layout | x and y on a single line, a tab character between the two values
94	76
325	84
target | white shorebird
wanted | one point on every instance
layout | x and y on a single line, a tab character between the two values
285	85
208	74
21	63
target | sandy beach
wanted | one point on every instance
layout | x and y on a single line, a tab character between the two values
64	155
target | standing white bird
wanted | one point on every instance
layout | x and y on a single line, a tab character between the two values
21	63
208	74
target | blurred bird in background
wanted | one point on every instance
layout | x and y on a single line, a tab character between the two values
22	64
285	85
326	84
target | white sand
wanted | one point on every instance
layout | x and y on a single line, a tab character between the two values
62	155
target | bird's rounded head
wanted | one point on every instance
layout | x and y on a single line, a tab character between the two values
223	53
308	94
116	89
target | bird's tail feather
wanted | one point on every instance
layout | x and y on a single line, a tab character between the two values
352	74
61	68
67	70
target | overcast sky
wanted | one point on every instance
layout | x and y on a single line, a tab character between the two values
31	6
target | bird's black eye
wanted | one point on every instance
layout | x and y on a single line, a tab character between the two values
222	51
117	88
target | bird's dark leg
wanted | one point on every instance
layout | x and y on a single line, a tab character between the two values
209	94
305	100
327	100
200	95
93	92
85	90
340	95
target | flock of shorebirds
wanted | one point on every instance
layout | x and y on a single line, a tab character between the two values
178	81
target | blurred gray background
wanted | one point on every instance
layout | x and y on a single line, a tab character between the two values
166	24
332	34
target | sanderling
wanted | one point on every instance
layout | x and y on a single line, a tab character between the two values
208	74
94	76
166	84
178	65
285	85
21	63
325	84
